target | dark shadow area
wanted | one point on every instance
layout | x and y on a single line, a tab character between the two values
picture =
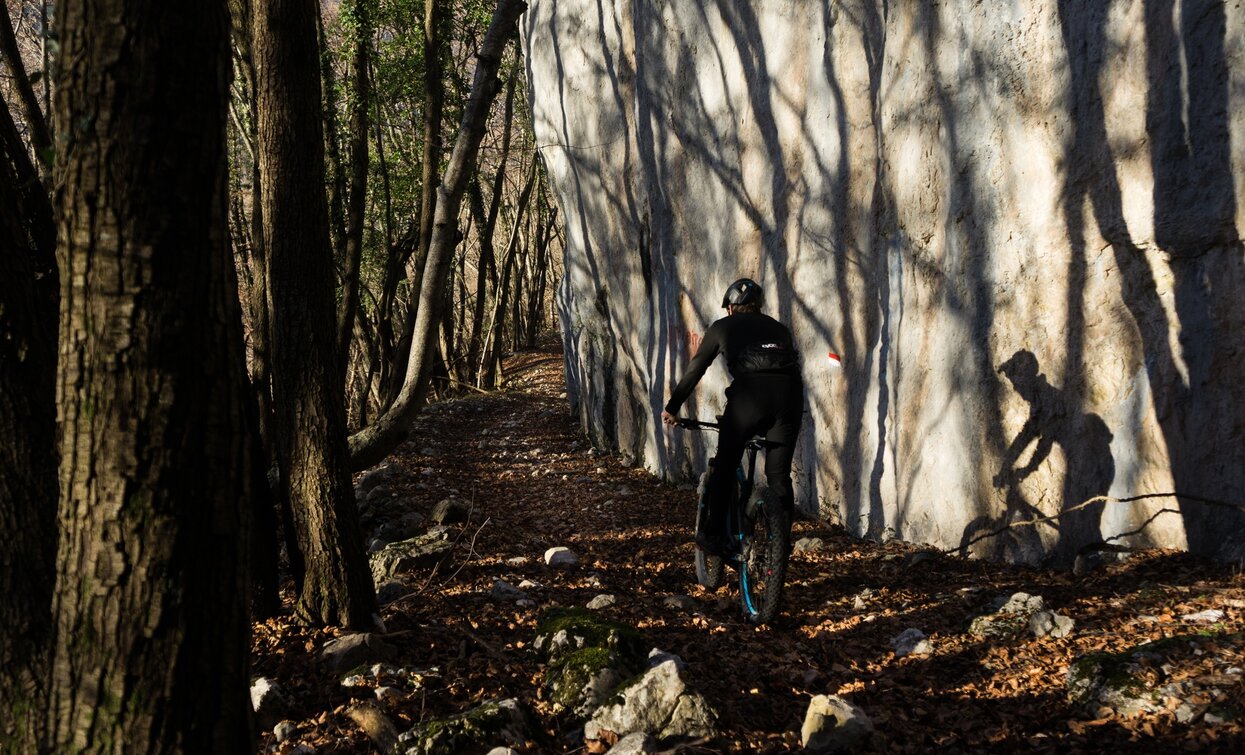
1195	391
1054	418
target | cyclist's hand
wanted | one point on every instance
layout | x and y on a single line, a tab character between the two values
669	418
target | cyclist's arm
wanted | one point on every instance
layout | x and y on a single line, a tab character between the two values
708	351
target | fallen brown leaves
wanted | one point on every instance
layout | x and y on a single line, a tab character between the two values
519	458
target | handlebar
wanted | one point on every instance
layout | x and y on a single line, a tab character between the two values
687	423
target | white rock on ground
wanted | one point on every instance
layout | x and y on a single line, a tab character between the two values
284	730
602	601
1050	624
1209	616
832	724
807	545
658	703
561	556
910	642
349	651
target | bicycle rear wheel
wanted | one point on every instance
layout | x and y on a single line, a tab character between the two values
709	568
763	564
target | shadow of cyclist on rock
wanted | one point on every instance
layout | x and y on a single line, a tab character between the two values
1055	417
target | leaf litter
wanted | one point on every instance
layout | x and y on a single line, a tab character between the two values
533	483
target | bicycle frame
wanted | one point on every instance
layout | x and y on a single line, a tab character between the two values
745	473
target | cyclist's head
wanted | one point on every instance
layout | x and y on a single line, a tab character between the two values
744	295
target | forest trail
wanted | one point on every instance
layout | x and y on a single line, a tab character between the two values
518	459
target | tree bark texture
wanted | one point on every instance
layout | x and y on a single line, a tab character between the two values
374	443
150	602
28	295
307	386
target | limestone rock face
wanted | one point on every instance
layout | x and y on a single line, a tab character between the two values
1017	226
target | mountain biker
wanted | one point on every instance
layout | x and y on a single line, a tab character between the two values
765	398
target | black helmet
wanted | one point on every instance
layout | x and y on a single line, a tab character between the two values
742	291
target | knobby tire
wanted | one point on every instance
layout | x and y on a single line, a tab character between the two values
764	562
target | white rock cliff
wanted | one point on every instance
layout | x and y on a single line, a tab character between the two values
1017	222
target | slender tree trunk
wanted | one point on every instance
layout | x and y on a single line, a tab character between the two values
373	443
150	606
40	138
307	384
28	303
265	557
355	201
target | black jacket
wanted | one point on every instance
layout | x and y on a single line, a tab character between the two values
752	343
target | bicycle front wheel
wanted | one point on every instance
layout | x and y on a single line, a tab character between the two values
763	563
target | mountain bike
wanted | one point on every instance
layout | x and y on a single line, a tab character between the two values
758	529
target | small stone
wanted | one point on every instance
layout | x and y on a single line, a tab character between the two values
918	558
525	603
657	657
1050	624
374	477
1209	616
1024	604
808	545
859	604
504	591
517	561
1213	719
910	642
602	601
503	751
378	494
352	650
561	557
600	470
284	730
376	545
530	584
354	680
388	694
450	511
833	724
680	602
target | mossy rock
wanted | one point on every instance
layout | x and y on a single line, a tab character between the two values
1000	625
1125	683
481	729
561	631
581	681
395	559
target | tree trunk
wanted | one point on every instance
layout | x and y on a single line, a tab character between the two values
355	201
376	441
307	384
150	602
40	139
28	296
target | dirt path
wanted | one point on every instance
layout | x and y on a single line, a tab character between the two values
534	484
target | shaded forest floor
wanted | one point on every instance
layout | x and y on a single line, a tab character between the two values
535	484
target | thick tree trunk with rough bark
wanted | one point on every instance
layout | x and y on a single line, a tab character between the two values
28	295
375	442
307	385
150	602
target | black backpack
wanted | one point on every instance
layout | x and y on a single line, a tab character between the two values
767	357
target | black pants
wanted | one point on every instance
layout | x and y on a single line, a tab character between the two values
756	404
